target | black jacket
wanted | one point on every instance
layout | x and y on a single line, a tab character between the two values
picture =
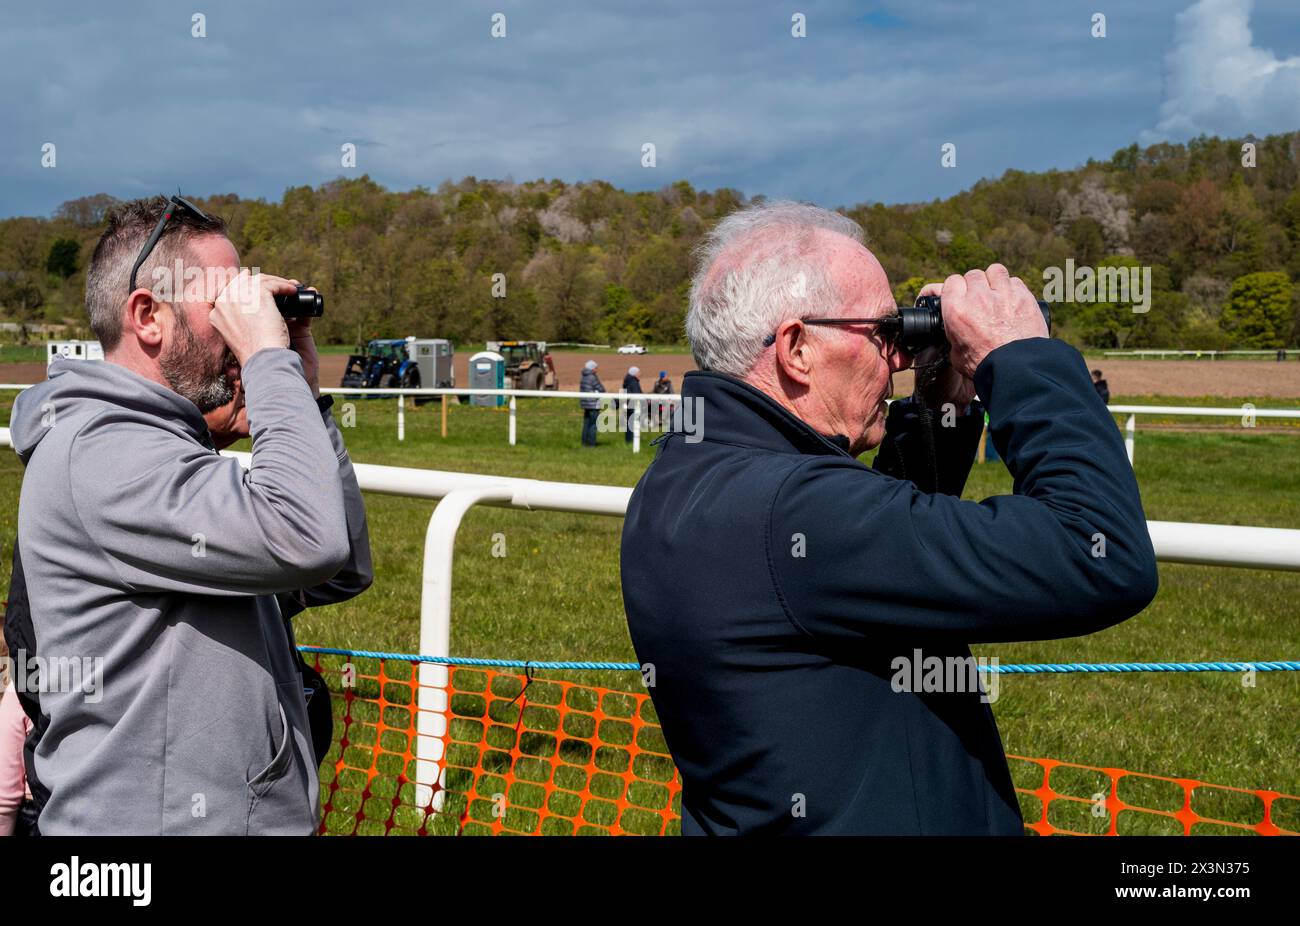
773	671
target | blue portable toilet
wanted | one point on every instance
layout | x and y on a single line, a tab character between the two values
487	370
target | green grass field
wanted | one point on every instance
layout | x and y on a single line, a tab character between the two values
22	353
556	595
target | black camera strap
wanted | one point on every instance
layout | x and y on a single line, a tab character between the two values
924	376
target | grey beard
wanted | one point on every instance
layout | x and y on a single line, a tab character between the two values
214	394
184	368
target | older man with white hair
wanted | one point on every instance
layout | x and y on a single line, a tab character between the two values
809	596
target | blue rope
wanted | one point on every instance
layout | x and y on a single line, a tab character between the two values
1014	669
470	661
1146	667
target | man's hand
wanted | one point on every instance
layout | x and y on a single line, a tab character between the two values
245	314
984	310
301	341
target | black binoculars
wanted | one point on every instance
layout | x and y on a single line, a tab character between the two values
304	303
921	326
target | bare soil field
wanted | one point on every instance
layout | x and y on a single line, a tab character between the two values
1244	378
568	366
1235	378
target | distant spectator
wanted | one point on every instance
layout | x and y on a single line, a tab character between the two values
632	386
590	407
990	452
663	386
1100	385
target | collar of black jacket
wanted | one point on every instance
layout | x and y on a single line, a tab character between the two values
734	412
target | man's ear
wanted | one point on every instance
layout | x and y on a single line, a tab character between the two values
794	351
141	319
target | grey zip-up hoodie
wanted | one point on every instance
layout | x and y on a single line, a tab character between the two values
153	563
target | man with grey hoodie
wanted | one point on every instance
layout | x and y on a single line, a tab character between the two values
160	567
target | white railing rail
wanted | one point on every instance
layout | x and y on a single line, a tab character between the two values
1139	353
1194	411
1204	544
636	422
637	419
527	393
1247	413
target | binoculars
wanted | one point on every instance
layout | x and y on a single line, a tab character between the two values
922	325
301	304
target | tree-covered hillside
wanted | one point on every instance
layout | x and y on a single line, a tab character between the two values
587	261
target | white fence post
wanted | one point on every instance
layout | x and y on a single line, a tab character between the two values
621	405
401	416
1129	432
512	421
636	427
435	636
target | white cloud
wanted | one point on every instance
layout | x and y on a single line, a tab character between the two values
1219	82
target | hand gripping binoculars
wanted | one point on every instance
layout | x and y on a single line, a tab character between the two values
921	326
301	304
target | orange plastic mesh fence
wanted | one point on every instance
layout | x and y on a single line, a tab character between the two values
1080	800
550	757
528	757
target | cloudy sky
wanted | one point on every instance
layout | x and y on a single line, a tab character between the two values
856	111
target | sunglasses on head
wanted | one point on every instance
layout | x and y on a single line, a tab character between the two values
175	205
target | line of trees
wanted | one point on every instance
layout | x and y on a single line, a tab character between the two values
483	259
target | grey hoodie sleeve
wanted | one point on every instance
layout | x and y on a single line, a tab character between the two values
172	516
357	573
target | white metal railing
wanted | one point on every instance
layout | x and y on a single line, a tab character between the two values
1204	544
637	420
1212	354
635	424
1247	413
1174	542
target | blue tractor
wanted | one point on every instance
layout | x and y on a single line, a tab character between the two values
385	365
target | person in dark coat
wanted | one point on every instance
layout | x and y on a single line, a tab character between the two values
632	386
1103	390
590	382
790	656
663	410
